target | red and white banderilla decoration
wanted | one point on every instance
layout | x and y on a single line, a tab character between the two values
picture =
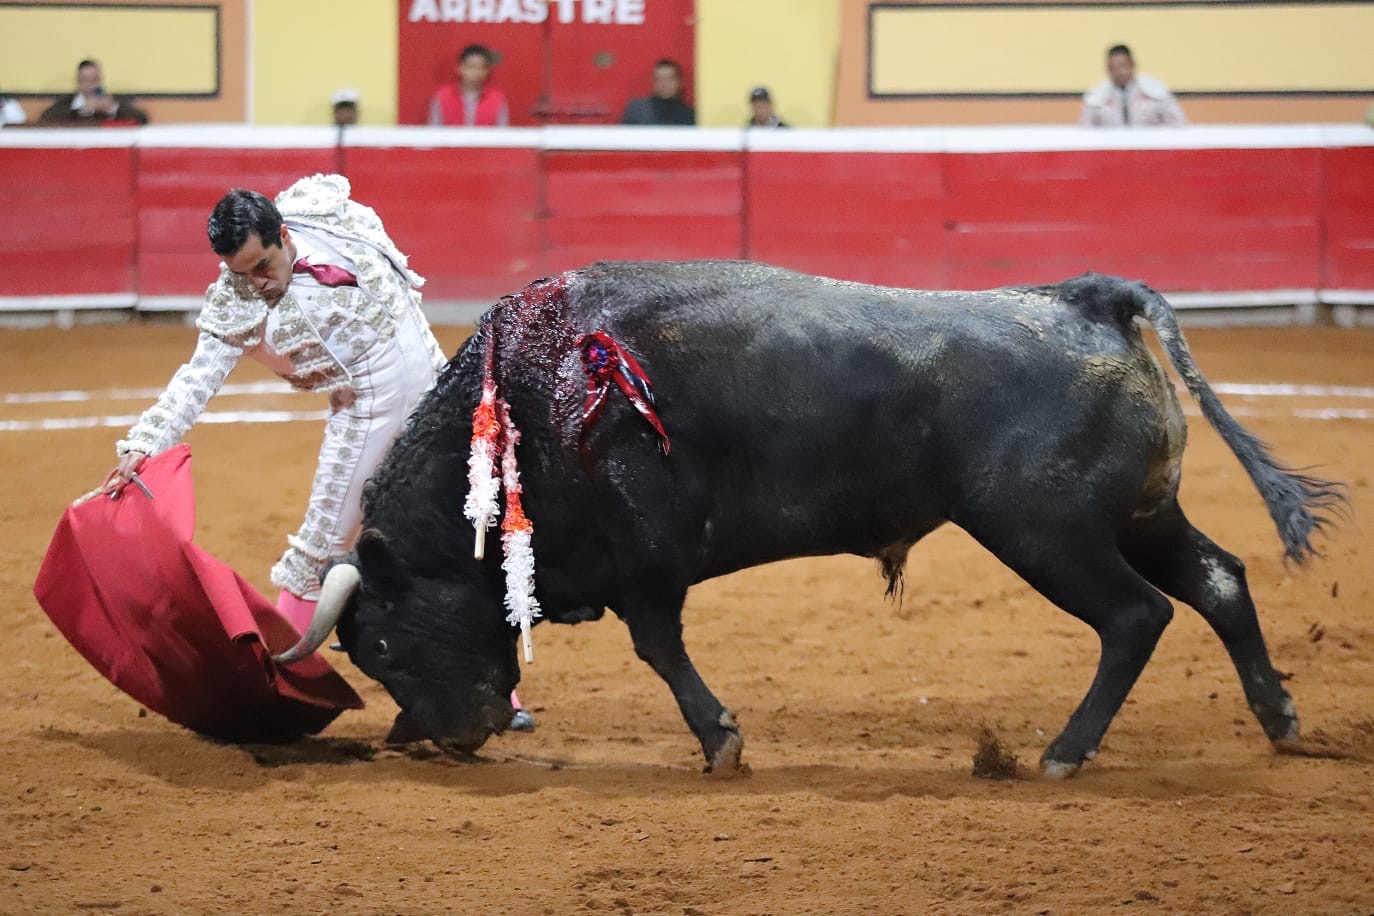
605	363
493	432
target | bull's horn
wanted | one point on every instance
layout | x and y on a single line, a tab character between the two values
339	585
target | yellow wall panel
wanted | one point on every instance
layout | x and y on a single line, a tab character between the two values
305	50
165	50
1207	47
790	46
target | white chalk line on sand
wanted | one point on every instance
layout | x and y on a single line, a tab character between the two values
134	394
49	424
1291	391
1300	413
124	421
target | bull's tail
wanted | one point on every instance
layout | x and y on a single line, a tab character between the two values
1299	503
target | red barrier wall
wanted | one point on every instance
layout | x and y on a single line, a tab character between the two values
1347	252
1181	219
482	221
641	206
467	218
177	189
871	217
67	221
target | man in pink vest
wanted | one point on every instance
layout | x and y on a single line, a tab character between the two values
470	102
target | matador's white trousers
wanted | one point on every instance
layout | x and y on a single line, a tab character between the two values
388	382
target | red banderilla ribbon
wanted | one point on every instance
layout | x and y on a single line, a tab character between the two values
605	361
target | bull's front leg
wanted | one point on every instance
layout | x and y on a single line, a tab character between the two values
656	629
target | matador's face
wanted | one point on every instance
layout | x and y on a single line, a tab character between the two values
266	267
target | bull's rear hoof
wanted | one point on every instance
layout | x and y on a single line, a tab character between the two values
726	762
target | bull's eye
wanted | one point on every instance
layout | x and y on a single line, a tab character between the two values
381	648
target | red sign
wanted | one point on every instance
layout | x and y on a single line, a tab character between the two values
557	61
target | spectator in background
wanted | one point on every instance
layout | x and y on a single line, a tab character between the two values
470	102
345	107
665	107
11	112
761	109
1127	98
90	103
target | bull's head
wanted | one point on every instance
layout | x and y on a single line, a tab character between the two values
440	646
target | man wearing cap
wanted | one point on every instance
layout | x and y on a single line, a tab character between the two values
345	107
761	109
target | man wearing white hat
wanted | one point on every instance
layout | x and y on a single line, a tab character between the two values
346	107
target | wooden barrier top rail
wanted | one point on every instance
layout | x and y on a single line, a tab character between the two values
1010	138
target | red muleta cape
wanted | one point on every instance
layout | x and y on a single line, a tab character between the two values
173	627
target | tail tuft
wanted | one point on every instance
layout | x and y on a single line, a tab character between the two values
1300	505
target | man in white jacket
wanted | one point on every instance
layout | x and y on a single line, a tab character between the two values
1127	98
312	287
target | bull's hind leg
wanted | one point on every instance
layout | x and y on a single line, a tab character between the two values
1079	568
1185	563
656	630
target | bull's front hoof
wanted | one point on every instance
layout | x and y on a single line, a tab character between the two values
1063	766
1059	769
726	762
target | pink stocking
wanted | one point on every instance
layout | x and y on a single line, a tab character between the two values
297	610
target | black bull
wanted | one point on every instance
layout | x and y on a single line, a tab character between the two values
806	417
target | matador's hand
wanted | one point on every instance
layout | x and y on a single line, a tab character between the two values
123	473
341	398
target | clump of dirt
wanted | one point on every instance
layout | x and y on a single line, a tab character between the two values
993	759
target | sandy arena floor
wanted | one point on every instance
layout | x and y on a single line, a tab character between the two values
860	717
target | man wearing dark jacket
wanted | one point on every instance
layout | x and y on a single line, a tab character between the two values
90	104
665	107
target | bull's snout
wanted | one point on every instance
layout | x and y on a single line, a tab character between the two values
461	735
470	739
464	745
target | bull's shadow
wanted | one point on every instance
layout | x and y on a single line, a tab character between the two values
186	760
